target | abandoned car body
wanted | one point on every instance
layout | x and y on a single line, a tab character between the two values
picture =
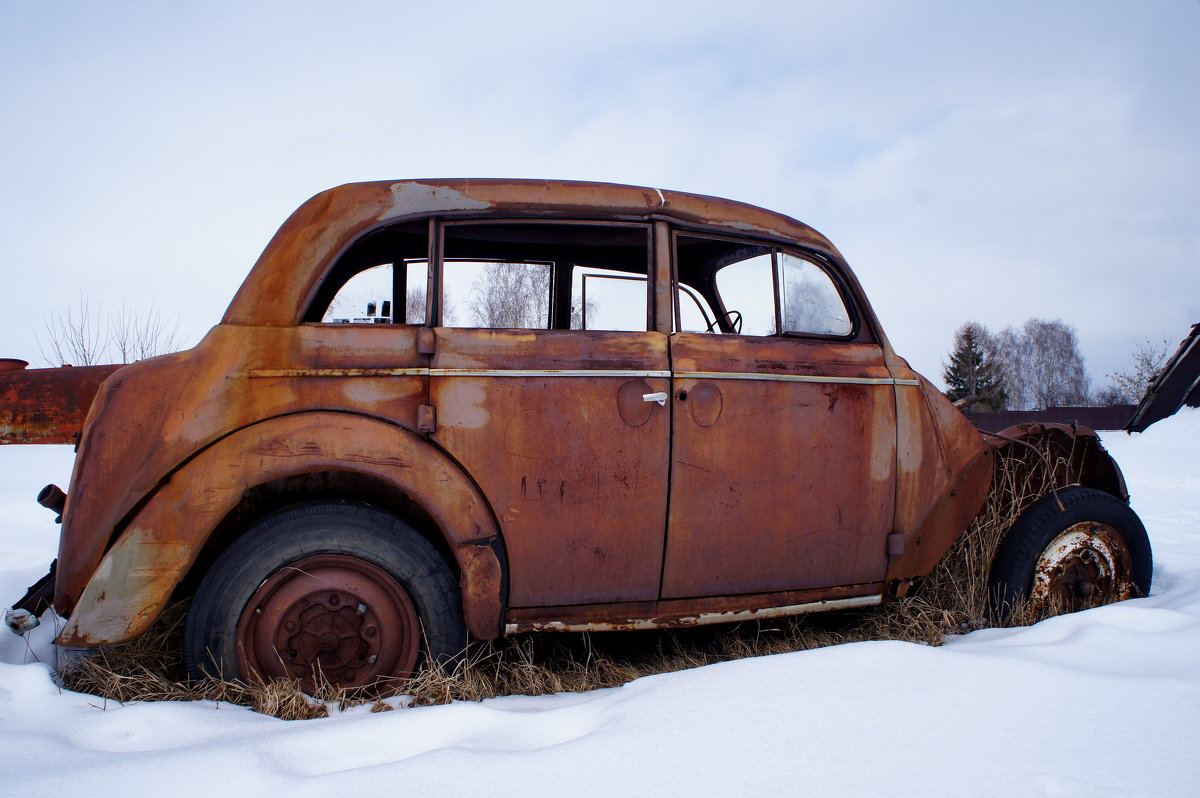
451	407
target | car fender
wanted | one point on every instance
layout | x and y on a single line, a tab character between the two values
138	574
1088	463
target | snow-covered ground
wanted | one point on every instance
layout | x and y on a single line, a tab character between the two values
1105	702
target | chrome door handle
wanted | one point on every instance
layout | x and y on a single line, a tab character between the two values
660	397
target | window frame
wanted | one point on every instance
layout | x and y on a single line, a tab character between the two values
559	294
858	329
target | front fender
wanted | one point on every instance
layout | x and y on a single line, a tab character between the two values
139	573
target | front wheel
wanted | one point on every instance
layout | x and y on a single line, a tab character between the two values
325	592
1091	551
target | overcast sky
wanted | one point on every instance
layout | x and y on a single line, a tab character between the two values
986	161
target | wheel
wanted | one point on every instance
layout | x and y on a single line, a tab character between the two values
325	591
1093	552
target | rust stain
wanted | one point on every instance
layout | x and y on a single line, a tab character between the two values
48	405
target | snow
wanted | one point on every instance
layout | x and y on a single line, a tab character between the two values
1105	702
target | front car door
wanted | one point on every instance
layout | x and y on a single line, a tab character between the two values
783	446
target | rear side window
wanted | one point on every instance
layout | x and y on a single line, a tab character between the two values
369	297
545	275
380	279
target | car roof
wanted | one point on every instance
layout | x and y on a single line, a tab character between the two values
312	238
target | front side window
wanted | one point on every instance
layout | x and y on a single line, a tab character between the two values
810	302
733	287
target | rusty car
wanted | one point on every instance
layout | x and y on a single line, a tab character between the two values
438	410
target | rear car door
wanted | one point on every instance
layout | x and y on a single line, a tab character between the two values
539	394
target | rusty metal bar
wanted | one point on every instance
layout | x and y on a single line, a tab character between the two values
47	405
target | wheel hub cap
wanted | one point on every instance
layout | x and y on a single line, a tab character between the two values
1086	565
329	617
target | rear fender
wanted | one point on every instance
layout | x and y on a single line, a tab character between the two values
138	574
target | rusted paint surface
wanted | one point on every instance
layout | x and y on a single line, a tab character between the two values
789	484
698	619
137	575
943	475
578	484
688	612
47	405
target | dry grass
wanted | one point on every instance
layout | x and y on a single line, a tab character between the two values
952	600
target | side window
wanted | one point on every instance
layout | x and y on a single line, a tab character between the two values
695	314
723	286
380	279
545	275
603	299
747	292
743	288
810	302
497	294
367	297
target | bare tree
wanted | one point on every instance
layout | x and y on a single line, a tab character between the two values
514	295
414	306
74	337
135	337
1042	365
81	336
1130	386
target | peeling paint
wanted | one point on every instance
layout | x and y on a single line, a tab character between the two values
410	198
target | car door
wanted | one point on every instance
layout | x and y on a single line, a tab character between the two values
539	392
783	446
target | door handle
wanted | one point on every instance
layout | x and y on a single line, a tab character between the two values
660	397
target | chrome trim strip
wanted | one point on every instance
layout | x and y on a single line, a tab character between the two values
545	373
367	372
627	373
734	375
703	619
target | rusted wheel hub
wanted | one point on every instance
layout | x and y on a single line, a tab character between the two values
1088	564
329	617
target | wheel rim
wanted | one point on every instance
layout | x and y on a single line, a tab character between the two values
329	617
1087	565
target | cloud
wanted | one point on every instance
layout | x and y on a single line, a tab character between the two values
986	162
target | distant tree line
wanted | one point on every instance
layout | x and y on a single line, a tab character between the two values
1039	365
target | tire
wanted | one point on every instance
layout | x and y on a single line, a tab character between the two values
325	592
1091	552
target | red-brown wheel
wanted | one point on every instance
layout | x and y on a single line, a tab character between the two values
1092	550
341	593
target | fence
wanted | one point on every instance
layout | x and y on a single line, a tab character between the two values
1101	418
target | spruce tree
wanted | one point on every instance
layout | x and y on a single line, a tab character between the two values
973	369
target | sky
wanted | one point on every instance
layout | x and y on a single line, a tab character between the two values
990	162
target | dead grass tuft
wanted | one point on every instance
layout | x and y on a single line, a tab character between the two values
952	600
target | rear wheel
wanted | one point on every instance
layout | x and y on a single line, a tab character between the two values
325	592
1091	551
